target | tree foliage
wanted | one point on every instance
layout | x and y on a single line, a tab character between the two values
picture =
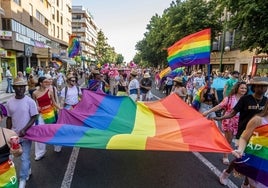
250	20
179	20
104	52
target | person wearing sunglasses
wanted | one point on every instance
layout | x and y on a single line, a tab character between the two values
71	94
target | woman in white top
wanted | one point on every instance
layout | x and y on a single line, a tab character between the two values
134	86
178	88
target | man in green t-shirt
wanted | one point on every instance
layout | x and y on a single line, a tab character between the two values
28	72
230	83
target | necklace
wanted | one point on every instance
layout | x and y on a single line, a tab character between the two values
258	103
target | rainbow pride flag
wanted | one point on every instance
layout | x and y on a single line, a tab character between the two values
191	50
254	164
116	122
165	72
74	46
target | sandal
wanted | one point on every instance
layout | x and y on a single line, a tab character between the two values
225	161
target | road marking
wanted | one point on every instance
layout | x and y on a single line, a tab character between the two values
213	168
68	176
216	171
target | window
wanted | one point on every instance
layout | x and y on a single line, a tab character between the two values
58	16
40	17
53	30
6	24
61	19
58	32
61	34
17	1
53	13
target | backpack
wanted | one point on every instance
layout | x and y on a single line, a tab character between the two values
66	89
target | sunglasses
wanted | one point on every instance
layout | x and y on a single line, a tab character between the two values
72	80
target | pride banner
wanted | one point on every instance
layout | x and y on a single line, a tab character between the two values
116	122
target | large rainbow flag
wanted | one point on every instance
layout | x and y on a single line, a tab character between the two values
191	50
254	164
74	46
116	122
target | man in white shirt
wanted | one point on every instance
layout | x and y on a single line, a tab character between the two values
9	81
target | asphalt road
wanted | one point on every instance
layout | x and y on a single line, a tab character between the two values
85	168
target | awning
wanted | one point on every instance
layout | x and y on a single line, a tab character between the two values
68	61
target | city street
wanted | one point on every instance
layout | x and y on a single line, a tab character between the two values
83	168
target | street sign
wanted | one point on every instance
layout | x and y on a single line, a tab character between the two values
28	51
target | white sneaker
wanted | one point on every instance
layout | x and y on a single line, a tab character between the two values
57	148
22	184
224	177
39	158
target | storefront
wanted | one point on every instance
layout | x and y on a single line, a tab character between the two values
8	59
259	65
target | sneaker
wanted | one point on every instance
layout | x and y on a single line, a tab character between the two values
57	149
22	184
39	158
224	177
225	161
29	174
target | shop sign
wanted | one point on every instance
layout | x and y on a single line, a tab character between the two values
260	59
3	53
23	39
5	35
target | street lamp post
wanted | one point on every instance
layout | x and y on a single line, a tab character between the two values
223	38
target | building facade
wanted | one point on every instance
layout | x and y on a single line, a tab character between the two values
84	27
33	31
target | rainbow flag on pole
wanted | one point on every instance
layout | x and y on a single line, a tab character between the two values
191	50
111	122
74	46
254	164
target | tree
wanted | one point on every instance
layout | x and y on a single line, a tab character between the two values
104	52
119	59
249	19
179	20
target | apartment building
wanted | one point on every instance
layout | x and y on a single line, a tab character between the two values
33	32
84	27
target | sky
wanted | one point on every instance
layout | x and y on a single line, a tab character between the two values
123	21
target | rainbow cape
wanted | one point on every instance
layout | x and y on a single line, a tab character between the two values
74	46
254	163
116	122
191	50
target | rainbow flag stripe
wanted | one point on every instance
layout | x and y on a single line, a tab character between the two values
254	163
116	122
165	72
191	50
74	46
8	177
48	115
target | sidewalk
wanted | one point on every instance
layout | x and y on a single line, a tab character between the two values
3	95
